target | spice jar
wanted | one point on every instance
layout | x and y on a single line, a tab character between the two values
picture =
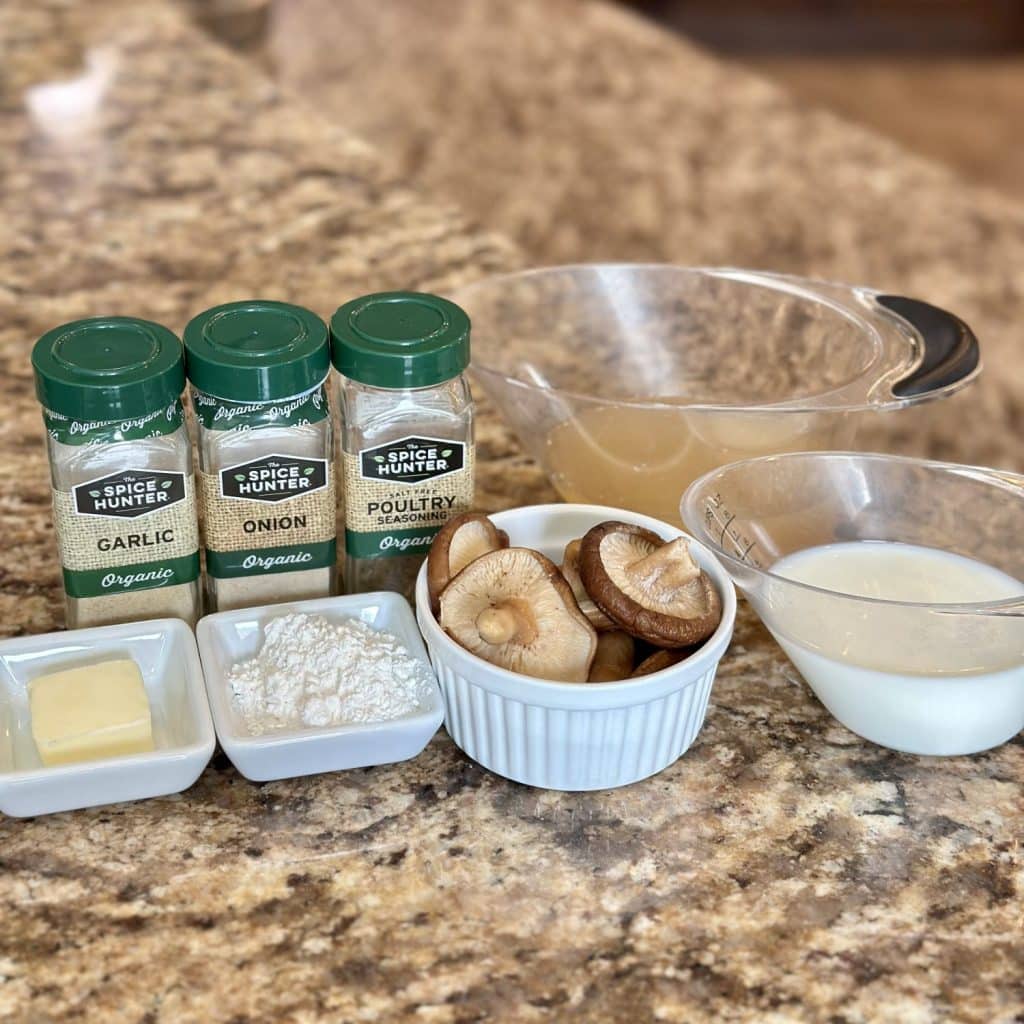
406	431
121	470
266	482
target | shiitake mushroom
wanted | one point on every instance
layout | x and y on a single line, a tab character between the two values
652	589
614	657
659	659
462	539
513	608
571	571
619	588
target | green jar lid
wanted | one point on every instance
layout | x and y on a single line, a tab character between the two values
108	368
400	340
256	351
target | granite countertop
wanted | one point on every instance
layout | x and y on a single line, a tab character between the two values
783	870
586	133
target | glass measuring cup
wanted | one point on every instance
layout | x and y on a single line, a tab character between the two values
626	382
921	677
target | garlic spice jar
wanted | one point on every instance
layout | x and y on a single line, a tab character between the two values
121	470
406	431
266	482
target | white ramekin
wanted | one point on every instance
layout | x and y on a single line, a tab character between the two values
570	736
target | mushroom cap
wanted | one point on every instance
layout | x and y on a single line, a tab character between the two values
571	572
463	538
613	659
658	660
519	599
652	588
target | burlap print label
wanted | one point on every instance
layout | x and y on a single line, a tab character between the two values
272	514
132	530
398	495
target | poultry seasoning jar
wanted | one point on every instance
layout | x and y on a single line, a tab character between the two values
406	431
120	470
266	482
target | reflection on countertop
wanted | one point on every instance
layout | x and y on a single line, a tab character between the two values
783	869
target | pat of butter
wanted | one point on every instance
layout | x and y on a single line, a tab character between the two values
86	713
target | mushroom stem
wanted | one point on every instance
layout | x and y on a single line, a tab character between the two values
671	565
503	623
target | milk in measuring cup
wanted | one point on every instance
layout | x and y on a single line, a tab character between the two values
915	677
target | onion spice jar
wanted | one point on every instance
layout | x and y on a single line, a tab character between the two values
121	470
258	372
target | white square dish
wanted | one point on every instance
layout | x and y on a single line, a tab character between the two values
165	651
227	638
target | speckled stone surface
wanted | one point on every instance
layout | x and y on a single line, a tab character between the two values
783	870
148	171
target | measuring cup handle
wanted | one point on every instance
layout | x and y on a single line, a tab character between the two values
951	352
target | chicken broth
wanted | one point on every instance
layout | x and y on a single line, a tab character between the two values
643	458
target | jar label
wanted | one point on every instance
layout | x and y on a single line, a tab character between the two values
412	460
129	494
132	530
268	515
274	478
65	430
219	414
398	495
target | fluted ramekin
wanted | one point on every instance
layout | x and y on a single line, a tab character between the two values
573	736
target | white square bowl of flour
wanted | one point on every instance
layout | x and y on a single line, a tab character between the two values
319	686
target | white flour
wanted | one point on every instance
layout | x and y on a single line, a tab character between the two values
312	672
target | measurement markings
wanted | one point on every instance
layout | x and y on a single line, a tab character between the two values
725	529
